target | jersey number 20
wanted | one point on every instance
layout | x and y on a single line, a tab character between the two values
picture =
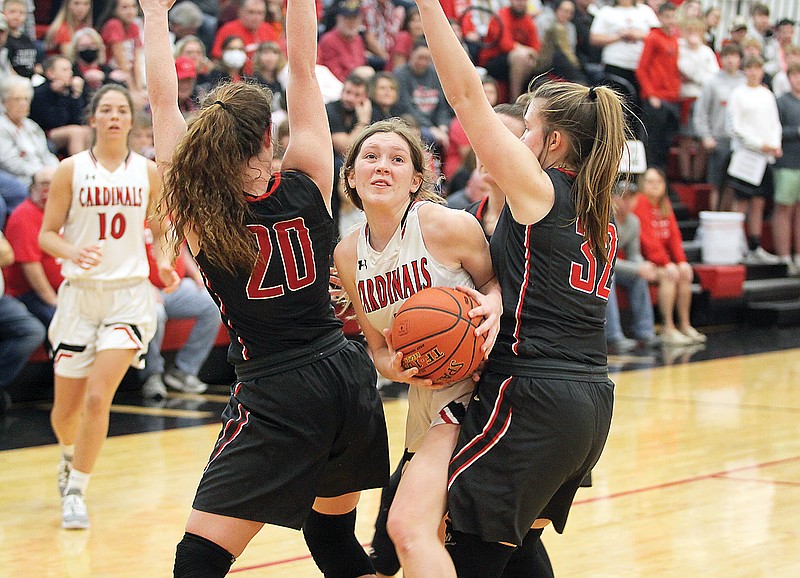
291	254
582	275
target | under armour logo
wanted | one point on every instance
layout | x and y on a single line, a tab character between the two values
362	264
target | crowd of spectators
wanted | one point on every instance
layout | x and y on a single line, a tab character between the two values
676	66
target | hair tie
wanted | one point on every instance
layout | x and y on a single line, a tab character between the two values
222	104
592	93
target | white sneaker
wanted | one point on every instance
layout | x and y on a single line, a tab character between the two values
64	468
185	382
74	515
759	255
154	388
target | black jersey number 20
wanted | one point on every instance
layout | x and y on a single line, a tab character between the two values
582	275
293	241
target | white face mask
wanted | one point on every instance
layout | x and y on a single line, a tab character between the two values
234	58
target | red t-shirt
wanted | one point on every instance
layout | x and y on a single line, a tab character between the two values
22	232
658	73
660	236
115	32
521	29
458	139
264	33
341	55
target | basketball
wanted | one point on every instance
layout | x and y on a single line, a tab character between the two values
435	334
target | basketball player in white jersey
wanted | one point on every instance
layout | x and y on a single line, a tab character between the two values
421	244
105	315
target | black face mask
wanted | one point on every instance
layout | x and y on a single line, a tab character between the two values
89	54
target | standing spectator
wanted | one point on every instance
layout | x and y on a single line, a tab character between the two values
251	26
58	105
342	49
620	30
588	54
559	42
662	245
35	276
786	220
634	273
711	19
780	82
20	332
421	94
784	38
738	31
21	50
752	46
710	122
382	22
123	41
23	144
189	301
514	47
71	17
755	125
660	85
697	64
760	28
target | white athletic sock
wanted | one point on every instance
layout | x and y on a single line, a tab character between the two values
67	452
78	481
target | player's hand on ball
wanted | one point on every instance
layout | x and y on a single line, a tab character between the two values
490	306
404	375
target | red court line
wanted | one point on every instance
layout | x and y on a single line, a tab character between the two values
720	474
759	480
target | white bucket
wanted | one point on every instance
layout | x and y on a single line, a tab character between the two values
722	240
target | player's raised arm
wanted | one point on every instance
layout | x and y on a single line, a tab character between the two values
310	149
514	167
162	82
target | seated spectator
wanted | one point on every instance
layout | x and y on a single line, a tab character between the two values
188	93
251	27
230	66
208	29
662	245
123	40
189	301
786	220
88	55
71	17
559	41
459	144
23	144
5	65
709	119
342	49
512	49
141	137
756	126
185	20
20	332
660	85
476	190
268	63
194	49
22	54
633	273
421	94
385	95
382	22
35	276
350	115
58	105
408	35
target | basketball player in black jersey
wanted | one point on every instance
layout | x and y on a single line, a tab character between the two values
542	409
304	430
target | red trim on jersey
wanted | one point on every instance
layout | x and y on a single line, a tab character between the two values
487	429
273	186
525	281
222	310
126	329
59	357
96	163
481	207
241	420
567	172
447	416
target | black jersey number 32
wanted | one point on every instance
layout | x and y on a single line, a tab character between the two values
582	275
296	253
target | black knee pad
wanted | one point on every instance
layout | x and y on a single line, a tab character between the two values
474	558
530	559
197	557
333	545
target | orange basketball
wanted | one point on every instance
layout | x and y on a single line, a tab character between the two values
435	334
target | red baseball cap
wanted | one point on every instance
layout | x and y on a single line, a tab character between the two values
185	67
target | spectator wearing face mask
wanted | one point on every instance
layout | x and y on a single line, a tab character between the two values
229	66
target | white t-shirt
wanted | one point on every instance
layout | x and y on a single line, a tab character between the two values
611	20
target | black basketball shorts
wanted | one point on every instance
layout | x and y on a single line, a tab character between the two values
525	446
315	430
